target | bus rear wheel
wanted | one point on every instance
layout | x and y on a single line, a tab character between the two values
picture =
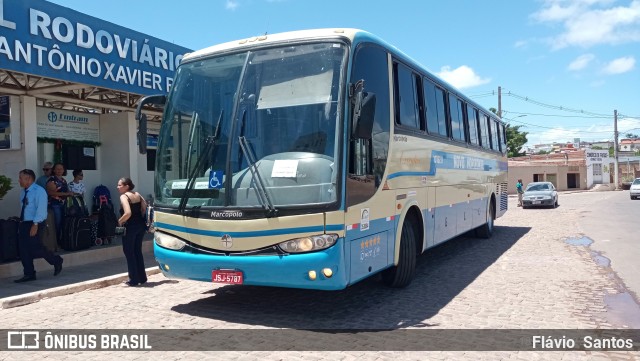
401	275
486	230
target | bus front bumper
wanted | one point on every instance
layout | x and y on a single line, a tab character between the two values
293	270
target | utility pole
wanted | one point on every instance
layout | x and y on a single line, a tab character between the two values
500	102
615	147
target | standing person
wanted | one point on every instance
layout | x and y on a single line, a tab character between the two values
58	191
33	213
520	192
132	208
76	185
46	173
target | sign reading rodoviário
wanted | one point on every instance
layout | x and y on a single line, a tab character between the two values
45	39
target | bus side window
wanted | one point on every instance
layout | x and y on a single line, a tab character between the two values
436	116
457	126
484	131
503	138
406	97
472	125
494	134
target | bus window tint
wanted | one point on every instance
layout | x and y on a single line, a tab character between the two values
457	127
503	138
484	131
473	125
406	98
494	135
436	118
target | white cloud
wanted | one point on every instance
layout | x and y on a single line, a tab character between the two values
601	131
520	44
581	62
462	77
589	22
231	5
620	65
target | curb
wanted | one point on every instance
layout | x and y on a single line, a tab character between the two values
27	298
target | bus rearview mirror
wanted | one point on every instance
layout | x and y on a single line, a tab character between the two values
364	114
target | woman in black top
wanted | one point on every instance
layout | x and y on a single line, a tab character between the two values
132	208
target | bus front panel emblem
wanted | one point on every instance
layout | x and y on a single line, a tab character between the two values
227	241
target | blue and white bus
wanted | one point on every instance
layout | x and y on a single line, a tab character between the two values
315	159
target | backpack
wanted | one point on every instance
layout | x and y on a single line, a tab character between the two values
101	197
107	222
75	207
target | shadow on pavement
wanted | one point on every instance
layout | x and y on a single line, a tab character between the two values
442	273
158	283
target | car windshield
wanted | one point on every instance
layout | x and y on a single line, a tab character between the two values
253	129
538	187
636	181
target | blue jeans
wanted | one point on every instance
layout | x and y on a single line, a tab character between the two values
58	216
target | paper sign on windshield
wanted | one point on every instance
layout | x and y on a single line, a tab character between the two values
284	168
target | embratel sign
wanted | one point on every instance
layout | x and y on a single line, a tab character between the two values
41	38
64	124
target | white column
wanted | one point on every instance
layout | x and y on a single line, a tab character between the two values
29	132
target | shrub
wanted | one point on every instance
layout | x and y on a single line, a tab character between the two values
5	185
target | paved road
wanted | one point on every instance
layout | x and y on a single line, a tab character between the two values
527	276
612	221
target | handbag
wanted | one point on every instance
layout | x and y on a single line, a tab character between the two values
121	231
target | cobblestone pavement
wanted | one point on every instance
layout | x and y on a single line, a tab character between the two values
525	277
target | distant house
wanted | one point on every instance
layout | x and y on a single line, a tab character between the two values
570	169
629	145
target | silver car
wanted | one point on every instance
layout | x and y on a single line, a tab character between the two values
540	194
634	191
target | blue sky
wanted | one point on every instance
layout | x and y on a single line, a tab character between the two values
563	65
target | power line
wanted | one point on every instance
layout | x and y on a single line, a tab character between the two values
556	128
561	116
557	107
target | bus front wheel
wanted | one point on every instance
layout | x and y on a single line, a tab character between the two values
401	275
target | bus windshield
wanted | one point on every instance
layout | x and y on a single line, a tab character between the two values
255	129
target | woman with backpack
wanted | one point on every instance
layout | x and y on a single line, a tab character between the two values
132	209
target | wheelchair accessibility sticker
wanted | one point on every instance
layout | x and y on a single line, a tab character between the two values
216	178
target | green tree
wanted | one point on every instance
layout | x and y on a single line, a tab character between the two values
632	136
515	140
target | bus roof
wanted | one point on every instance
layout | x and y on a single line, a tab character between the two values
351	34
275	38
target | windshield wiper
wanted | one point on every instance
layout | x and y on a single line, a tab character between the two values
261	190
210	143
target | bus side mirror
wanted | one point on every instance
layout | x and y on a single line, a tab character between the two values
142	118
142	134
363	115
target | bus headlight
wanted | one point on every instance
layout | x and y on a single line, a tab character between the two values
167	241
308	244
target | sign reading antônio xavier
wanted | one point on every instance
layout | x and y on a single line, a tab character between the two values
41	38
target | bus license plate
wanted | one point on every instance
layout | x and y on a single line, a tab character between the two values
227	276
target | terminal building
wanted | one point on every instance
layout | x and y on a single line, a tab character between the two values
69	85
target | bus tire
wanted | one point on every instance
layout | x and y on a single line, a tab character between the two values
486	230
401	275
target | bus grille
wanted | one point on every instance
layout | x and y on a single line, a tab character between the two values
501	191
